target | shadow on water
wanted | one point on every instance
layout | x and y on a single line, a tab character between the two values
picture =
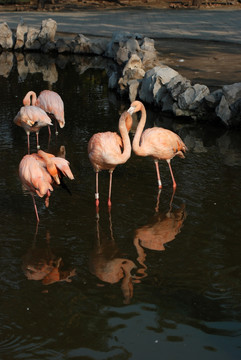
106	288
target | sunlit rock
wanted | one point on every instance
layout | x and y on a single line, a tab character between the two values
21	35
32	42
134	86
153	81
133	70
6	36
47	31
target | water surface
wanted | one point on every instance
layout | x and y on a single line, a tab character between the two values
149	280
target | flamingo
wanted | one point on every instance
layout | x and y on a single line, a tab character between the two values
50	102
107	150
161	144
39	171
32	119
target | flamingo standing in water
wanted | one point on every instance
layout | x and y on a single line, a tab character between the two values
50	102
107	150
37	173
32	119
161	144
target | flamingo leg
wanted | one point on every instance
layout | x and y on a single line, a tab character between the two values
97	202
110	186
35	208
158	174
173	180
56	128
28	143
38	146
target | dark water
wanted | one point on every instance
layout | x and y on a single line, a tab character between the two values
148	281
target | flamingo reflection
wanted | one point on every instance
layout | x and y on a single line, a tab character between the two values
108	265
42	264
161	229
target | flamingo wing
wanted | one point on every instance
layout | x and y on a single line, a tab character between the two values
63	165
34	176
162	143
52	103
104	150
32	116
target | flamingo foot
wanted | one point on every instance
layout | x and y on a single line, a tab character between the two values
97	202
109	203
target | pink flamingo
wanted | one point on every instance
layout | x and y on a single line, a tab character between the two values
107	150
37	173
32	119
161	144
50	102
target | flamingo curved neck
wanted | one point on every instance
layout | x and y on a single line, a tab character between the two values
126	142
29	100
136	141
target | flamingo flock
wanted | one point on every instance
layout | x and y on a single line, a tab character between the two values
40	171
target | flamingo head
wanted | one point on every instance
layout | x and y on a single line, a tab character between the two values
135	107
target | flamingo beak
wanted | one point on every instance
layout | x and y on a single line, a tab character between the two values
56	178
131	110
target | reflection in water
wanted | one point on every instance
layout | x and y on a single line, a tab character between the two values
108	265
41	263
161	229
194	298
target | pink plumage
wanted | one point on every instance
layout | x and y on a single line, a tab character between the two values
32	119
38	172
161	144
107	150
50	102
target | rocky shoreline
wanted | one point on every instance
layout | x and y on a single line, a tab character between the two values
136	72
